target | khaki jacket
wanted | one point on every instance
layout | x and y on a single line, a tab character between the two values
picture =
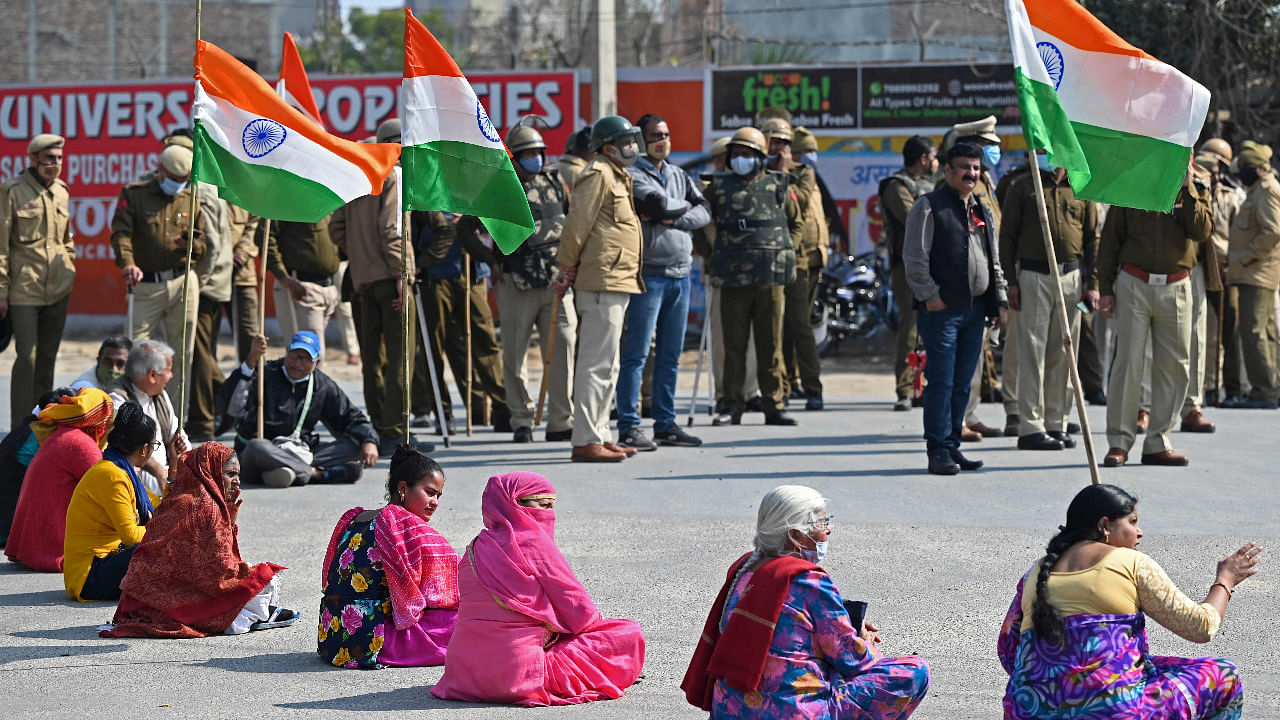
217	265
244	244
37	251
570	167
812	239
367	231
148	224
602	236
1254	256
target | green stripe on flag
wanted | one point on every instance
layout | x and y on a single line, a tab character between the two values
463	178
262	190
1107	166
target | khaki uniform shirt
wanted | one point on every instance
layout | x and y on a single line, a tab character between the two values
602	231
37	251
367	230
1073	225
1157	242
244	244
1226	203
813	237
148	225
1254	258
217	264
570	167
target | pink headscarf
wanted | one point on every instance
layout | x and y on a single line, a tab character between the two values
518	562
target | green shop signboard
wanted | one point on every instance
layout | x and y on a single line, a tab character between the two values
835	100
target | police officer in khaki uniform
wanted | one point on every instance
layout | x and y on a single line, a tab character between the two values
577	154
525	298
1144	278
754	213
243	310
898	193
1254	270
600	257
1215	156
303	259
799	349
149	236
37	269
1044	389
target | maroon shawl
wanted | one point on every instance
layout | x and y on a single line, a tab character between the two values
738	654
186	578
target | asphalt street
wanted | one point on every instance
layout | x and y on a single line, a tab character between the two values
937	559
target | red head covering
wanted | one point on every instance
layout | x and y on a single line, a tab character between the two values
518	562
186	578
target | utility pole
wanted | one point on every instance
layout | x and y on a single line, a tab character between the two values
31	41
162	29
604	95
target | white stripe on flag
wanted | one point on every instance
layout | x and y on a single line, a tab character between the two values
1025	56
437	107
1125	93
297	154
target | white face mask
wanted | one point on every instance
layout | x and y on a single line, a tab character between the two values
170	186
817	554
743	165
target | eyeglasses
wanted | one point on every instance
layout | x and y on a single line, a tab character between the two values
155	445
824	523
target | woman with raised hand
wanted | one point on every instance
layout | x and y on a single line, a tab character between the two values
108	510
390	581
528	632
1074	641
779	642
186	578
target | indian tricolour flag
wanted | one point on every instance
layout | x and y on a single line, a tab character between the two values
293	84
1120	121
269	158
453	158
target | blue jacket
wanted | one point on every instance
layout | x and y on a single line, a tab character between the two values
669	195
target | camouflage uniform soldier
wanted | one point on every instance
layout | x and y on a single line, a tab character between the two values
37	268
754	212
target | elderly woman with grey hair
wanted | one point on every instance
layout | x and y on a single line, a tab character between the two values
148	370
779	642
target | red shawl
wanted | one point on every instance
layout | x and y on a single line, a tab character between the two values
186	578
738	655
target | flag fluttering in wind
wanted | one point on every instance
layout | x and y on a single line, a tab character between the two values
293	85
1121	122
269	158
453	159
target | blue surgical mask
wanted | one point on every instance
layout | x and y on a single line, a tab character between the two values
743	165
810	159
290	377
1043	162
817	554
991	156
532	165
170	186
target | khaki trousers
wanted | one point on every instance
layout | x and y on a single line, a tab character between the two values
750	384
1224	326
345	316
242	312
595	373
799	349
1160	315
758	311
157	315
521	311
37	334
446	320
1199	335
906	338
382	339
1044	378
1256	338
310	313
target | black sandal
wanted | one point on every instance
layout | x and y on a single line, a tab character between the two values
280	617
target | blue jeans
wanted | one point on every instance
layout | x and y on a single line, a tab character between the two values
664	306
953	345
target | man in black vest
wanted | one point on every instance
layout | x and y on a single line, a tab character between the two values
953	267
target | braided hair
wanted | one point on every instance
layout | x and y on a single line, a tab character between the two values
132	429
410	465
1087	508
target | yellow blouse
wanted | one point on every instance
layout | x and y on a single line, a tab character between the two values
1122	583
103	514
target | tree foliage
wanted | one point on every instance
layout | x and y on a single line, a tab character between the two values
370	42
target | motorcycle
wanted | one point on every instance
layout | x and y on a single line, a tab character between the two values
853	300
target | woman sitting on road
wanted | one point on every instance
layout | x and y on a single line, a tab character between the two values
528	633
390	580
71	434
186	578
16	451
779	642
1075	642
108	510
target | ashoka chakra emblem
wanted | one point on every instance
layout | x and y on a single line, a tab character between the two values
1051	56
486	126
262	136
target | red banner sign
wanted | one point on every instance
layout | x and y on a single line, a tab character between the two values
114	134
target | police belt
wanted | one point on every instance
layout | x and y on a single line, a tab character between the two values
321	279
743	224
162	275
1036	266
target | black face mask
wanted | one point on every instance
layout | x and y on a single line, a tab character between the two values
1249	175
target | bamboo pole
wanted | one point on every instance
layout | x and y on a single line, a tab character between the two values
186	278
466	321
262	321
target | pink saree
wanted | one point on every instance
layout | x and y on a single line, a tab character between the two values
528	632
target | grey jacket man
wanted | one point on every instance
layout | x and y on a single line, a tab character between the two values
669	195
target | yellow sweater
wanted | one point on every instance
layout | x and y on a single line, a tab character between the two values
103	514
